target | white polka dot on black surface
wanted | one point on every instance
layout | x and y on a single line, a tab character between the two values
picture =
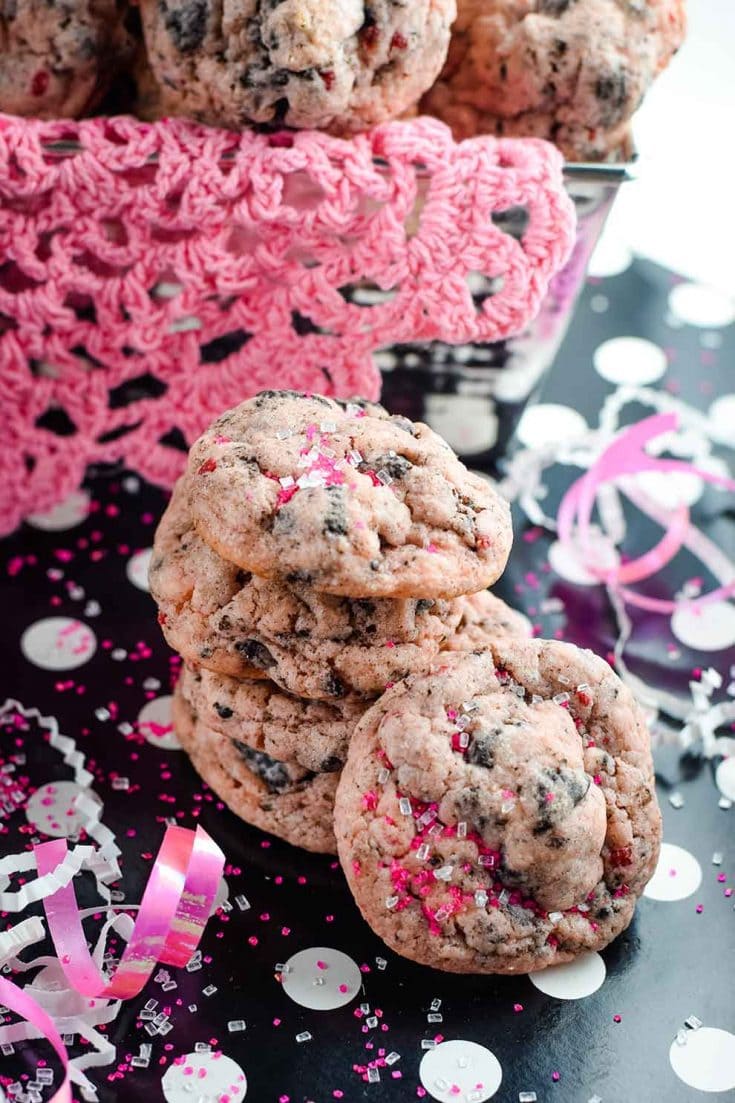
208	1077
66	515
699	305
573	980
722	413
58	643
571	564
460	1072
467	422
321	978
707	627
725	777
599	304
137	568
678	874
610	257
548	423
155	724
705	1059
630	361
51	808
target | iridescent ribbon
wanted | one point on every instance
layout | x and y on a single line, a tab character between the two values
176	905
624	457
17	1000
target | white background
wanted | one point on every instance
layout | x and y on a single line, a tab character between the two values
680	212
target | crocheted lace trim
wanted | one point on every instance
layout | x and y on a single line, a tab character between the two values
153	275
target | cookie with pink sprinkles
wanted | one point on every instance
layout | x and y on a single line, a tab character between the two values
499	814
345	497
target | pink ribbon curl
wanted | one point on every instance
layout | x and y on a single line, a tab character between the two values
176	905
625	456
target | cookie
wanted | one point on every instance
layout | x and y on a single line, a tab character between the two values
571	71
485	618
499	815
57	57
345	497
315	734
278	797
338	65
314	645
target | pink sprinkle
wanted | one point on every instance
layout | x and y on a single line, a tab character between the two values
343	988
556	1077
431	548
728	892
721	877
517	1006
322	965
699	909
617	1018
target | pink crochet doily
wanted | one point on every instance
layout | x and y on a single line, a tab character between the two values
153	275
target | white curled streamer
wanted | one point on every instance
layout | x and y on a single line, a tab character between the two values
42	887
523	483
71	1012
102	862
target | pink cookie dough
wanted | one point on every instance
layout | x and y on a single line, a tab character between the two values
571	71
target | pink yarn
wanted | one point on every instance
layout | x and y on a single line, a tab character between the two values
128	248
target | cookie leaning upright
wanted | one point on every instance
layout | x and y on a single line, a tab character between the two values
345	497
499	815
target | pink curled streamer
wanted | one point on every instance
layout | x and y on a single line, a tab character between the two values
176	905
16	999
625	456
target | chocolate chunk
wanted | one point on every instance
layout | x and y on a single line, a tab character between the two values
273	773
223	711
405	424
243	577
333	686
331	765
612	90
553	7
299	576
335	517
481	751
187	25
256	654
396	466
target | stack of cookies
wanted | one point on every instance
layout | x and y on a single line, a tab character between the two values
350	685
314	553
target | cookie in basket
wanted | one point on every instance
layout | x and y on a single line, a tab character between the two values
278	797
58	58
573	73
337	65
345	497
499	815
